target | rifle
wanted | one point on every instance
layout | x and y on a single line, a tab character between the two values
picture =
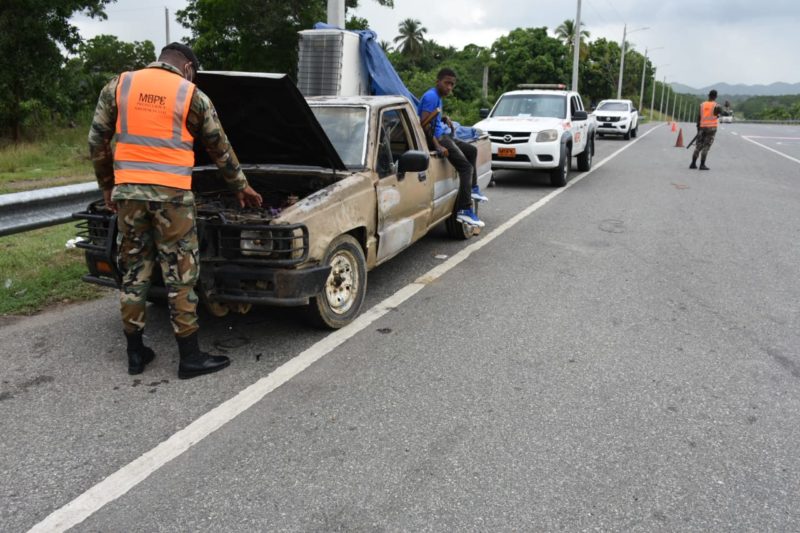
696	135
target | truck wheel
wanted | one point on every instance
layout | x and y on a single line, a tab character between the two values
458	230
635	131
627	135
343	294
558	176
585	159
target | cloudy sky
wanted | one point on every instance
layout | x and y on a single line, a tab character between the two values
695	42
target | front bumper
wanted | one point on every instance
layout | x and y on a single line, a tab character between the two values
528	155
284	277
614	128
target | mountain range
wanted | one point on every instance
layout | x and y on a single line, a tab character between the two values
739	89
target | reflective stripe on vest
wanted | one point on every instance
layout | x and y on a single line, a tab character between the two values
153	145
707	117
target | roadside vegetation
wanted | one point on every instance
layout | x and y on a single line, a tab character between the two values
38	270
59	156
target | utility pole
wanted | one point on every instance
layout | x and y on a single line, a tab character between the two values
622	58
622	62
663	90
674	103
336	13
166	22
644	70
485	91
576	53
653	95
641	91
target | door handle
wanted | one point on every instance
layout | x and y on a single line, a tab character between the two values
422	176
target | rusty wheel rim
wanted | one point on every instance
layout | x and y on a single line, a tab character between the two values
341	289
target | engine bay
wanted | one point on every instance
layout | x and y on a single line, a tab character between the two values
278	190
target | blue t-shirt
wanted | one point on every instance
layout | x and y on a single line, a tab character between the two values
429	102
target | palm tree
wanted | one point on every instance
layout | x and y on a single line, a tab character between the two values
566	34
412	37
386	46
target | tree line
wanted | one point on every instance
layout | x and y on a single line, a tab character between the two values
50	75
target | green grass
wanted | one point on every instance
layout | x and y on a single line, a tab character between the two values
61	158
37	271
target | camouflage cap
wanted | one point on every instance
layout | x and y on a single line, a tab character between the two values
186	52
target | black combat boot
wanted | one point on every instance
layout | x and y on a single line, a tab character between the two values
694	163
139	355
703	164
195	362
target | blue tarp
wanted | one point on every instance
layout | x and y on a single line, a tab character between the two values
383	78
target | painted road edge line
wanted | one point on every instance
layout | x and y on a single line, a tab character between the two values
764	146
130	475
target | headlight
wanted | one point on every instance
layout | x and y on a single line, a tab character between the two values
256	243
547	136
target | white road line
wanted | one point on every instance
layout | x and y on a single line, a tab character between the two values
776	138
790	158
127	477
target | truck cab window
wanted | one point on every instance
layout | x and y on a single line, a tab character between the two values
395	139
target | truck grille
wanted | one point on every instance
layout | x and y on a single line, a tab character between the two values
608	119
509	137
518	157
95	230
263	244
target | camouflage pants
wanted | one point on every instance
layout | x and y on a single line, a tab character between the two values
705	139
166	232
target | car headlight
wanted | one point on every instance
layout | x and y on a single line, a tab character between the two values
256	243
547	136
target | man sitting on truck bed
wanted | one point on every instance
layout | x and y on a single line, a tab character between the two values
461	155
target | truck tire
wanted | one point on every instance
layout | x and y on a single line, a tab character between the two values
585	158
559	175
458	230
343	294
627	135
635	131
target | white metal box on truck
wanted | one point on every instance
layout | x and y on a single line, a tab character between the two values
329	64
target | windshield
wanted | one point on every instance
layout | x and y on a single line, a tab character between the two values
613	106
346	127
531	105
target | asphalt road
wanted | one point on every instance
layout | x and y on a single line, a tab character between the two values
624	358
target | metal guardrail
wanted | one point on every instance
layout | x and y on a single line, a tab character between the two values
24	211
787	122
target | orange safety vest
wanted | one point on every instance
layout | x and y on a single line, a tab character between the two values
153	145
707	117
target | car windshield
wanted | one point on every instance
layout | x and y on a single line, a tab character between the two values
346	127
613	106
531	105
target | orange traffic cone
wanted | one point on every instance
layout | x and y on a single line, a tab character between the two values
673	127
679	142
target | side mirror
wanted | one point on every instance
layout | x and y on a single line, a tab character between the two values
580	115
484	112
412	161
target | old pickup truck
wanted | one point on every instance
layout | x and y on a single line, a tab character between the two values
347	182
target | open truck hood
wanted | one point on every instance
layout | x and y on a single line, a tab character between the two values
267	120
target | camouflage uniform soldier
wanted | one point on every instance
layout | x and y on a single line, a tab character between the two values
156	113
707	123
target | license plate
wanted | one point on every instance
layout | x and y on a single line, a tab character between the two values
506	152
606	124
